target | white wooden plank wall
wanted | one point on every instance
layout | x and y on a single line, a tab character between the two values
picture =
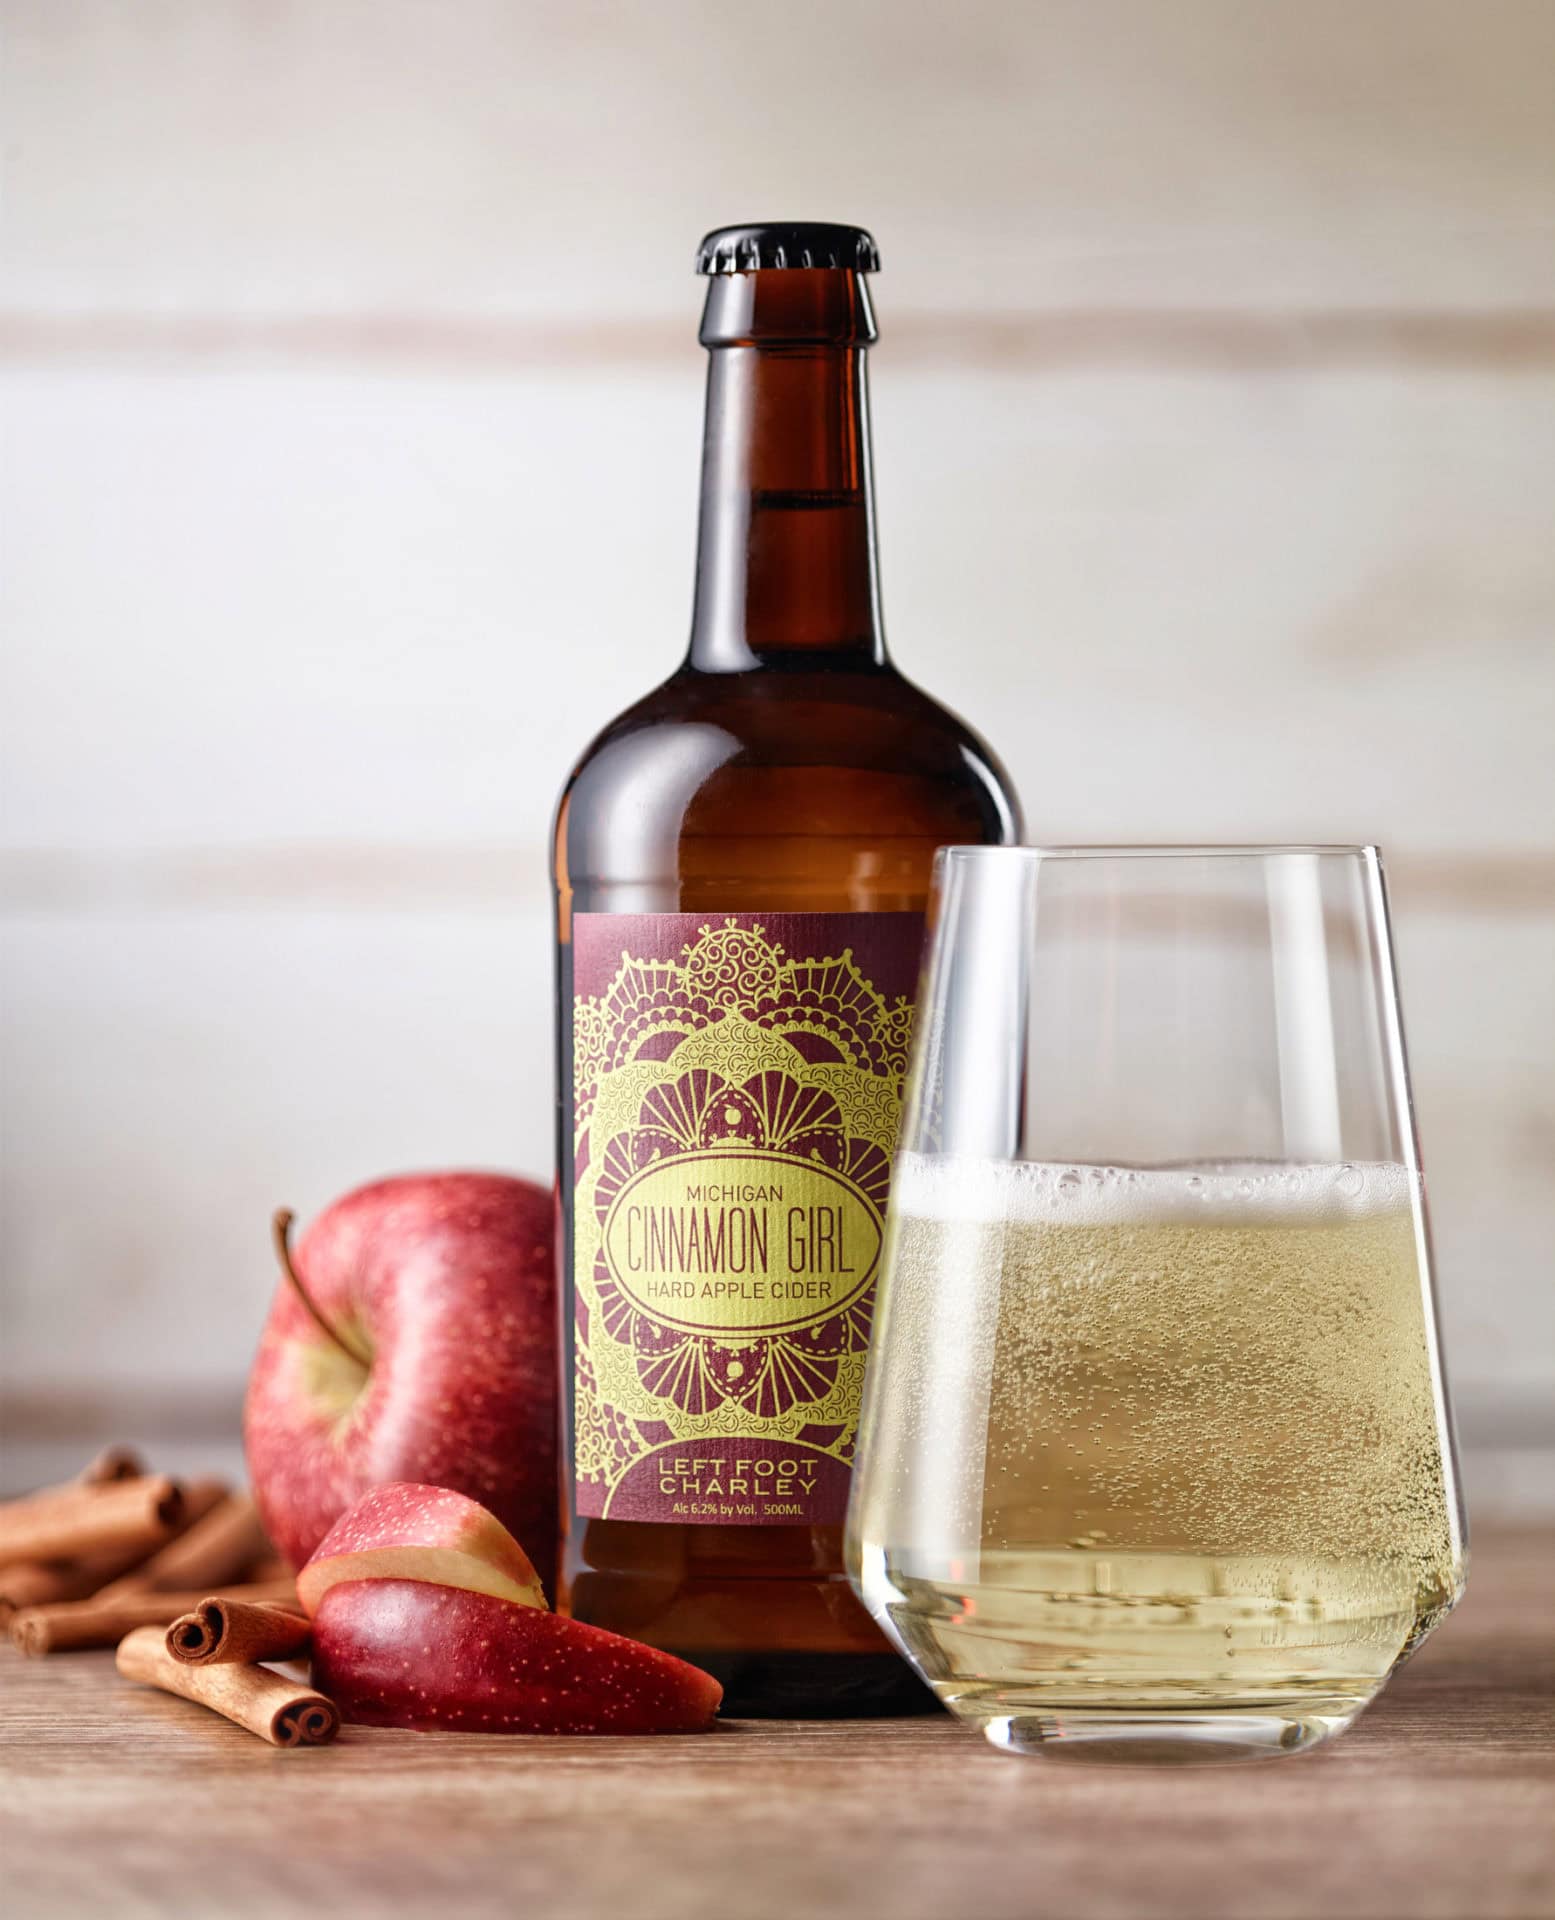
352	411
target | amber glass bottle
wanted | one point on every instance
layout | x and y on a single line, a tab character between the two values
742	861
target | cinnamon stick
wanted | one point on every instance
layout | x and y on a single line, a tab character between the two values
104	1467
103	1621
215	1551
221	1631
68	1523
276	1709
42	1583
112	1463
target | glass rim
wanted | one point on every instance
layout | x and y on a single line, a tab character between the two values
1164	850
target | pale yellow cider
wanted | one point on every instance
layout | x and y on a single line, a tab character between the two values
1157	1437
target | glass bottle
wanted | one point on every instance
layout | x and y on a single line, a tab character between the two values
742	861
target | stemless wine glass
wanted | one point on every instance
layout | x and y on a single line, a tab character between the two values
1155	1459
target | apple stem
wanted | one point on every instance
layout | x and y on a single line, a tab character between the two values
281	1235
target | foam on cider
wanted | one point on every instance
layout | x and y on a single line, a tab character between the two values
1228	1194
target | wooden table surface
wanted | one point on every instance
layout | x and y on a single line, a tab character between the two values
1440	1805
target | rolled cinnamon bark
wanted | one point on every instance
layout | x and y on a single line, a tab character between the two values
70	1523
221	1632
110	1464
218	1549
103	1621
113	1463
276	1709
43	1583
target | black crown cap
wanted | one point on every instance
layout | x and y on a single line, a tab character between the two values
766	244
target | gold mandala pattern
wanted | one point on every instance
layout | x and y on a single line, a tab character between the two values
734	1048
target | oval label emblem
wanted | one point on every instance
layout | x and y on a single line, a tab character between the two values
748	1243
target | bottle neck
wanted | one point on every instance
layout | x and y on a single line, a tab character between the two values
786	570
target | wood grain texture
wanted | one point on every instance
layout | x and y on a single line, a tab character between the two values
1266	340
1438	1806
377	152
351	877
1107	574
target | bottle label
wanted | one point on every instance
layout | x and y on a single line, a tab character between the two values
737	1083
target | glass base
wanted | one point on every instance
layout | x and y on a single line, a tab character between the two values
1163	1736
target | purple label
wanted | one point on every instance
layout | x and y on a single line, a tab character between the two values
737	1083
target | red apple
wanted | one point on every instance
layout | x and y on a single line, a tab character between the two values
412	1338
404	1532
403	1653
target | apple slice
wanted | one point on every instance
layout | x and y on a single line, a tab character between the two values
400	1653
408	1532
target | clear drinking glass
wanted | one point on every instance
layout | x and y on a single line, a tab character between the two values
1155	1459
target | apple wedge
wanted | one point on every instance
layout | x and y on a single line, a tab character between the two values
401	1653
408	1532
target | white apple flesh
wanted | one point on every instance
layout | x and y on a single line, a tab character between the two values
404	1532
